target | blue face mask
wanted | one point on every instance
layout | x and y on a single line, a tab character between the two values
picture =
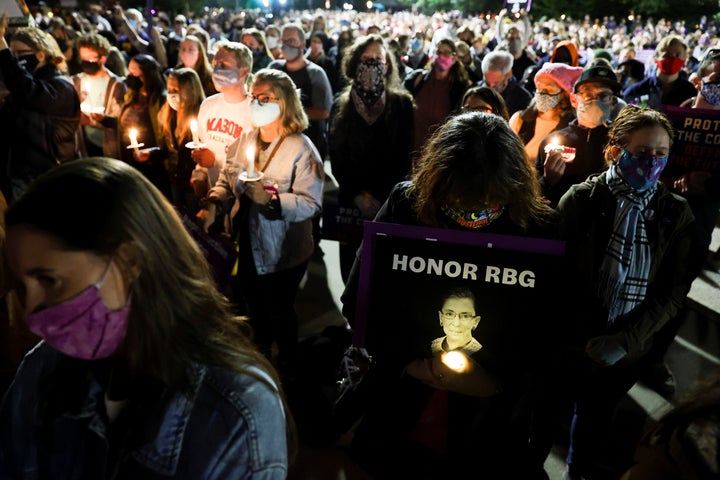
711	92
225	77
641	171
415	45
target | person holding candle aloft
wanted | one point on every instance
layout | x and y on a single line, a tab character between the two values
143	101
272	212
185	94
41	112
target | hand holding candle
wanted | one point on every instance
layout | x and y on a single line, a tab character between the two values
567	153
133	135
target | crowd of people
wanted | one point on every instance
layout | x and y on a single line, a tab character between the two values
116	126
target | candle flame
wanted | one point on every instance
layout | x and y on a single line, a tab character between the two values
193	125
553	145
133	133
250	153
455	360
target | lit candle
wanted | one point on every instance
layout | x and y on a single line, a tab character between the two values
250	154
133	133
553	145
455	361
194	130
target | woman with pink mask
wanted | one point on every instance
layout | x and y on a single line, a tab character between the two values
438	89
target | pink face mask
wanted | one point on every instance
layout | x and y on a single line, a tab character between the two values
444	63
82	327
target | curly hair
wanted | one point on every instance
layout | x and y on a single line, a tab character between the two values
94	42
41	41
631	119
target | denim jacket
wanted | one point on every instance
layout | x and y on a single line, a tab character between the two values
228	426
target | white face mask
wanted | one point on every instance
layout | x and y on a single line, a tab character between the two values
173	99
264	114
273	42
593	114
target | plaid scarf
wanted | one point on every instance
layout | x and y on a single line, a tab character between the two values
623	278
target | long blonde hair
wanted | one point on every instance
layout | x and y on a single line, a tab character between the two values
294	119
191	96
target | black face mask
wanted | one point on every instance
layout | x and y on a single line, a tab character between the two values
133	82
90	68
30	62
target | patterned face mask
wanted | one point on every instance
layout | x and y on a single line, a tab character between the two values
370	80
546	102
594	113
474	219
711	92
641	171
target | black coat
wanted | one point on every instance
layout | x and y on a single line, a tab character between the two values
41	116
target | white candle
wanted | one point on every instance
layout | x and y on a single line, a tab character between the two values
133	133
553	145
194	130
250	154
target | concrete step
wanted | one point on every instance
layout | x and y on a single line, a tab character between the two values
704	294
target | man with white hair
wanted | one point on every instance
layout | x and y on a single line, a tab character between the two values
497	74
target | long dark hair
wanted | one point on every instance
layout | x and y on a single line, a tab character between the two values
477	159
151	76
177	316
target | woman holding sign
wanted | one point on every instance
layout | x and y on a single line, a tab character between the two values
631	245
432	419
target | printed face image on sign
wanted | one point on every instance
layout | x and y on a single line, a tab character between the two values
426	291
458	320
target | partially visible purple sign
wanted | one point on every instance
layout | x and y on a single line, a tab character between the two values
696	146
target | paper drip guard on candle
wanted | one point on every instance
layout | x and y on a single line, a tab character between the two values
132	134
254	178
567	153
192	145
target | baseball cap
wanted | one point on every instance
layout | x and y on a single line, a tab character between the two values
599	74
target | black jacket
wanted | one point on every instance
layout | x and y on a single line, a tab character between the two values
41	116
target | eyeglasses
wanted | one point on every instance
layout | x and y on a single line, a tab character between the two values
263	98
446	53
589	97
463	316
486	109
